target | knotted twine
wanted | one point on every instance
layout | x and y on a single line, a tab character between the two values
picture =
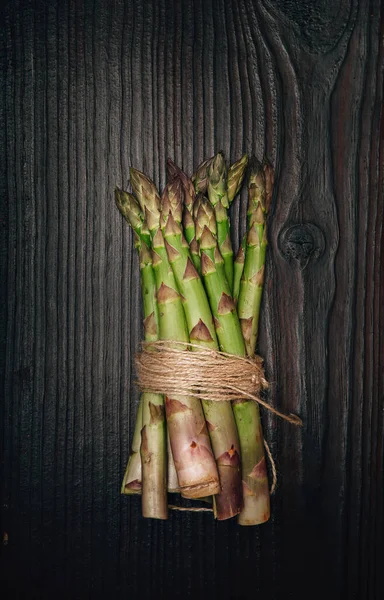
166	368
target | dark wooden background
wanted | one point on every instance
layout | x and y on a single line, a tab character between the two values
90	88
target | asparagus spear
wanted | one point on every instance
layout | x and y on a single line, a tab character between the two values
189	202
221	423
204	215
200	177
132	481
174	172
188	198
213	270
251	284
246	412
131	211
194	461
238	268
257	504
235	178
190	236
150	434
218	196
227	324
153	449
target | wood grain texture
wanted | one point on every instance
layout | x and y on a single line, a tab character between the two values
89	89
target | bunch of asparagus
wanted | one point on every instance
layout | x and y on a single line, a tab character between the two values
194	291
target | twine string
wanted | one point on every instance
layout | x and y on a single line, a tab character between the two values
193	509
273	468
165	367
169	368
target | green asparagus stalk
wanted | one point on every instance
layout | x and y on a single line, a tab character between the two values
188	221
131	211
221	423
196	306
148	197
230	337
204	216
213	270
257	501
251	284
235	178
195	465
132	481
172	480
194	462
223	308
174	172
189	195
218	196
153	448
259	201
238	268
150	431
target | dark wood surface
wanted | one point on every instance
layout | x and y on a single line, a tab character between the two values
90	88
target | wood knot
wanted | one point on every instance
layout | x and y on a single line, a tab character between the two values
301	243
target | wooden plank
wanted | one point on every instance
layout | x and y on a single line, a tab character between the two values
90	89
